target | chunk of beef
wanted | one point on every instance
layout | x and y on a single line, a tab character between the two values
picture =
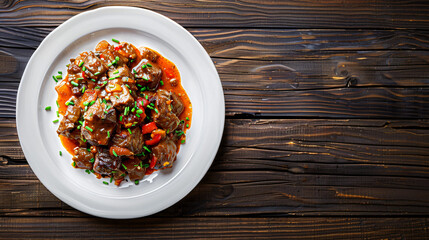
100	123
148	73
70	118
135	171
82	158
94	65
177	105
148	54
122	71
165	116
122	99
105	163
108	54
76	136
133	141
164	154
127	50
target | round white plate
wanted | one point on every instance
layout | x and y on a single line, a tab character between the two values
37	132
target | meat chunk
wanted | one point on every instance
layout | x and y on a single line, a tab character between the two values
122	99
108	55
133	141
105	163
119	72
93	65
83	158
176	104
164	154
100	123
135	171
127	50
148	73
148	54
165	117
68	123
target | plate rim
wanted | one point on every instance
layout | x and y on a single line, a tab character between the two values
20	123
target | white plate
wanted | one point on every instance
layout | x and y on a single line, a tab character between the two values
41	144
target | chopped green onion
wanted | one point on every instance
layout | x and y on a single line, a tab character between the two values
59	72
168	131
183	141
105	112
143	66
187	125
114	153
69	103
150	107
187	118
146	165
146	97
59	77
182	121
58	114
149	65
81	63
84	68
146	79
156	110
92	79
68	65
95	74
74	84
129	130
87	171
55	121
115	72
105	182
112	78
61	153
120	118
48	108
117	59
139	111
136	182
110	64
54	79
88	149
92	102
81	122
83	89
74	164
133	109
134	71
117	97
85	103
58	105
97	87
179	133
89	129
132	60
108	134
81	78
92	160
143	89
124	166
111	179
105	82
107	107
78	127
147	149
114	40
162	83
137	115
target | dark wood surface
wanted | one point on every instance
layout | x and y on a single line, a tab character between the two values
327	129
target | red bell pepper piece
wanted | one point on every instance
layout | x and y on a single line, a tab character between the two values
152	162
156	138
149	127
142	102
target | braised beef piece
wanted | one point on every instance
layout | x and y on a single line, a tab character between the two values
76	135
105	163
127	50
108	54
148	54
70	118
94	65
176	104
122	99
164	154
82	157
135	171
148	73
101	121
133	141
165	116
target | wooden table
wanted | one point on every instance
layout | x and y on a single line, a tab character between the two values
327	129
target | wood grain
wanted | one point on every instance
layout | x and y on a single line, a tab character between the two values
225	228
277	167
245	13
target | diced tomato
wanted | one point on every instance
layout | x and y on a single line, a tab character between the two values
141	100
154	140
118	47
83	75
149	127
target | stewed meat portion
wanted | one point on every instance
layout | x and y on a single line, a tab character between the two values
126	112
